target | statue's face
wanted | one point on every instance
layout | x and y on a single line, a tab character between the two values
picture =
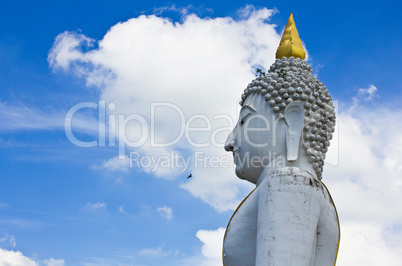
258	138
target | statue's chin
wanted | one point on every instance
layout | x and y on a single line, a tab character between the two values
239	173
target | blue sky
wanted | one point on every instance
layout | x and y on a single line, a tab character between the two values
66	205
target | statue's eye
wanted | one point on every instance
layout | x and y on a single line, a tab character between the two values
244	119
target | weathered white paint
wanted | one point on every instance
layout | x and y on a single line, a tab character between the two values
289	219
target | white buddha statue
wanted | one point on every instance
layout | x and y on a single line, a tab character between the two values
279	144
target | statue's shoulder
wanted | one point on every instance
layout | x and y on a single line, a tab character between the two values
292	176
293	179
239	246
248	201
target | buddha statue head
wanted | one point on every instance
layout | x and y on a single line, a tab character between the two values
287	117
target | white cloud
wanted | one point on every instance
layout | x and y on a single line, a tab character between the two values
165	212
64	51
7	241
121	210
366	186
53	262
180	10
211	250
368	176
21	117
154	252
364	95
364	244
212	242
369	93
15	258
200	66
144	212
106	261
114	164
96	206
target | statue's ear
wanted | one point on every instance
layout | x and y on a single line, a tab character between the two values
294	117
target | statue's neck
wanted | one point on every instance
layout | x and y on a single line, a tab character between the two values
284	171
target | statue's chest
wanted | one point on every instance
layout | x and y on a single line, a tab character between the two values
239	247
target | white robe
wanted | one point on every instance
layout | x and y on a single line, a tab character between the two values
289	219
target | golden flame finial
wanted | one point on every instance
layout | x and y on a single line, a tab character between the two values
291	44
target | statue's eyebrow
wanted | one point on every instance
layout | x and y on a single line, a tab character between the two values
247	107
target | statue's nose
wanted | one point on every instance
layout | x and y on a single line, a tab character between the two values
229	144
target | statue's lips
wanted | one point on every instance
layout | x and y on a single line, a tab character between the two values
235	154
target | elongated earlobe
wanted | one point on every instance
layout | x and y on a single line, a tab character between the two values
294	117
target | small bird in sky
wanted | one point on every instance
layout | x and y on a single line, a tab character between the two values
190	175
